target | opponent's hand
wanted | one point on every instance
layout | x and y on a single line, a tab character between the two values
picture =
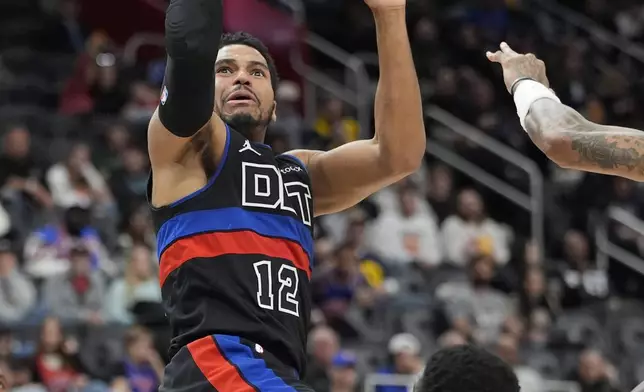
516	65
384	4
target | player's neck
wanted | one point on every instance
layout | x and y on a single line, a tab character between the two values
254	134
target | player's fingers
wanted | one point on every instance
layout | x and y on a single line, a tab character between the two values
495	57
505	48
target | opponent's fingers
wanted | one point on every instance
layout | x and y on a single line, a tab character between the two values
496	57
505	48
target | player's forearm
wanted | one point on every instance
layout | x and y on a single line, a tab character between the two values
400	131
192	33
571	141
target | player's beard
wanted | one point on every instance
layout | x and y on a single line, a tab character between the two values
253	128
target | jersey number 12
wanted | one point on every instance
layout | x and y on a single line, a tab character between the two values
286	290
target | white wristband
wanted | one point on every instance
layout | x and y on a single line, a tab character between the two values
526	93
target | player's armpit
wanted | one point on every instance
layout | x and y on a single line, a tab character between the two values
346	175
192	33
573	142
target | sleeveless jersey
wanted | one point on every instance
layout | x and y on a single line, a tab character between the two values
235	256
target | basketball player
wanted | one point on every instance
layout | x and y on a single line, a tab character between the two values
233	220
467	368
564	135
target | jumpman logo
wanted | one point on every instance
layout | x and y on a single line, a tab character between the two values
248	147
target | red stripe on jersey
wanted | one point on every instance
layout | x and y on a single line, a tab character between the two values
230	243
220	373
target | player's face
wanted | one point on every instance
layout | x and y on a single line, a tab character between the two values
244	97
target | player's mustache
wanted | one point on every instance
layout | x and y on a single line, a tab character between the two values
246	90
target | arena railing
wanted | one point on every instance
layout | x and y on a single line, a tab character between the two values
136	42
531	202
355	89
374	380
593	29
607	249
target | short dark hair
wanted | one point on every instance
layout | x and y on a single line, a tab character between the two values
244	38
467	369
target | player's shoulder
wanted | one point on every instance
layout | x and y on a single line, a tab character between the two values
290	163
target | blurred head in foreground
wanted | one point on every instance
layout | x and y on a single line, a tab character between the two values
467	368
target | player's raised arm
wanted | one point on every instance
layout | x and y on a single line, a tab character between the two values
344	176
193	30
563	134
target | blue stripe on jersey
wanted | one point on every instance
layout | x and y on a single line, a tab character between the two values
253	369
232	219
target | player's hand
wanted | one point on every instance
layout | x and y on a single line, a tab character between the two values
516	65
384	4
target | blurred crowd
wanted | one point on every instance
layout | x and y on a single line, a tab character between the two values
434	261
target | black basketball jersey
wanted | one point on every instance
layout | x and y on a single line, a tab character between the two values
235	256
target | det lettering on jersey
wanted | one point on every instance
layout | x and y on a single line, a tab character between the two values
264	187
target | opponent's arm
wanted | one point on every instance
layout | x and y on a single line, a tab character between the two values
344	176
573	142
563	134
192	33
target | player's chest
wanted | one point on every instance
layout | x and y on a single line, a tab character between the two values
275	186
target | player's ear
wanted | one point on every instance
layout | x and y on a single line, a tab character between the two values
274	114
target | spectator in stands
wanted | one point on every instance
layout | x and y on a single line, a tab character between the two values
407	234
57	363
594	374
507	348
79	295
17	292
471	232
142	103
446	93
323	249
20	180
337	289
279	143
333	127
108	158
76	182
47	249
22	377
451	338
630	22
76	97
426	39
487	116
130	184
289	121
582	282
343	375
440	194
6	343
404	349
106	90
142	368
323	346
513	327
539	328
139	231
65	33
476	301
533	296
140	284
